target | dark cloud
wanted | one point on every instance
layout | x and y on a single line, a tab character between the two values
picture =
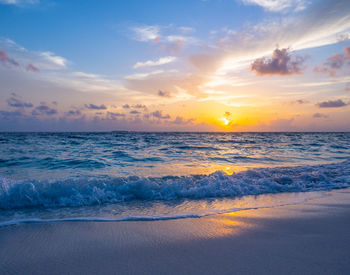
126	106
32	68
164	93
334	63
5	59
299	101
331	104
134	112
281	63
158	114
114	116
10	114
15	102
139	106
181	121
95	107
73	113
319	115
44	110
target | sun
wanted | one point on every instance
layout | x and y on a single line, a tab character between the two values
225	120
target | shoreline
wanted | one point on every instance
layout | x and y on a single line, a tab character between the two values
306	238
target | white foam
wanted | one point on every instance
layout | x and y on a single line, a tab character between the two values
211	212
93	191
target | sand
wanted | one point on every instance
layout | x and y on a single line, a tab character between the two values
308	238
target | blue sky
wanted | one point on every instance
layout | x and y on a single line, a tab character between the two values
220	65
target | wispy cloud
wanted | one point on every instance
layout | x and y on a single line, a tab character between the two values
164	93
317	26
25	59
14	101
169	39
19	3
319	115
32	68
146	33
95	107
278	5
152	63
59	61
142	76
334	63
6	60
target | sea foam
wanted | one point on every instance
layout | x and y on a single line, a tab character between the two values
109	190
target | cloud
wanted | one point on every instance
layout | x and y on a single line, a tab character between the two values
159	62
158	114
334	63
146	33
139	106
317	26
146	75
126	106
10	114
332	104
281	63
343	37
73	113
164	93
278	5
95	107
44	110
299	101
134	112
15	102
19	2
169	39
319	115
32	68
59	61
114	116
181	121
44	60
347	52
6	60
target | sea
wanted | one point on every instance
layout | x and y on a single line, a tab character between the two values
139	176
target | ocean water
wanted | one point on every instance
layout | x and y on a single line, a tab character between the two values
148	176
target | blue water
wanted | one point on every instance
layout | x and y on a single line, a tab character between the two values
128	175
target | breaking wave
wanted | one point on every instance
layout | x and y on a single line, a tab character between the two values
76	192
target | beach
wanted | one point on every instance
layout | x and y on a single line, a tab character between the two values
312	237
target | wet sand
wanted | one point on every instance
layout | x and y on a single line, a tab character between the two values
307	238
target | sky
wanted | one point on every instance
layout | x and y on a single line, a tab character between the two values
186	65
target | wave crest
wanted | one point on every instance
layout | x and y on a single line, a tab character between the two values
92	191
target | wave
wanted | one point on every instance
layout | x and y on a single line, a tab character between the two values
75	192
150	217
